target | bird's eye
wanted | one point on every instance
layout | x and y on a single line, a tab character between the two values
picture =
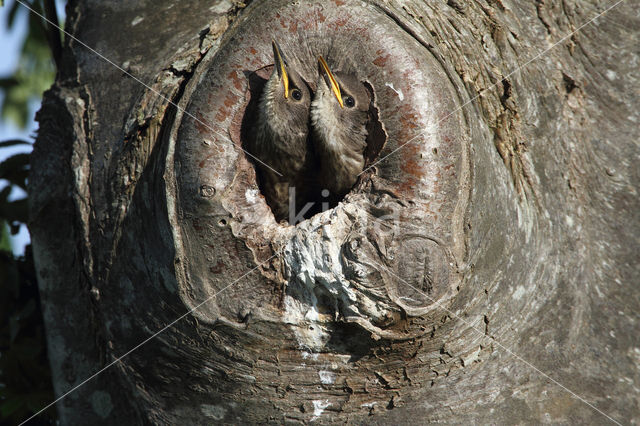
296	94
349	101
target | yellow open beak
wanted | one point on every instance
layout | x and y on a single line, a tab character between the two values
334	84
280	67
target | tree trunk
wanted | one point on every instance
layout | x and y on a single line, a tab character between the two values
486	270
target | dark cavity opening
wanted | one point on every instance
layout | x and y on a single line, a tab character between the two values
319	199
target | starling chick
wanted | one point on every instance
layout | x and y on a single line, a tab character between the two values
339	117
280	138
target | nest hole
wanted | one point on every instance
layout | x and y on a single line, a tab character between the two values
319	199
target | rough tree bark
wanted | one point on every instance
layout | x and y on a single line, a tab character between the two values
494	252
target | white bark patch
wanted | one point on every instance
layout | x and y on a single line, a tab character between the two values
215	412
318	293
312	263
398	91
569	220
319	407
517	295
251	195
307	355
470	358
634	354
221	7
308	332
328	260
137	20
327	377
525	218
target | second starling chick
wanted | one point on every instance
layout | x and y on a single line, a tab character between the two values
339	117
280	137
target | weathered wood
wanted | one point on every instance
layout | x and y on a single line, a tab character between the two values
486	269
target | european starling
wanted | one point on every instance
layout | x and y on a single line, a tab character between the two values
339	117
281	137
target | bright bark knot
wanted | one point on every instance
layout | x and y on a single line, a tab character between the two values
359	135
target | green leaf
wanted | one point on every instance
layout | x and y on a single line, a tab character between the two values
34	74
25	377
15	108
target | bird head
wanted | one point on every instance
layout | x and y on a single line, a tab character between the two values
341	105
286	98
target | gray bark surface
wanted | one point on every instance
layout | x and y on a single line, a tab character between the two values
485	272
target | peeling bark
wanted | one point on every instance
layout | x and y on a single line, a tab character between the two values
485	269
